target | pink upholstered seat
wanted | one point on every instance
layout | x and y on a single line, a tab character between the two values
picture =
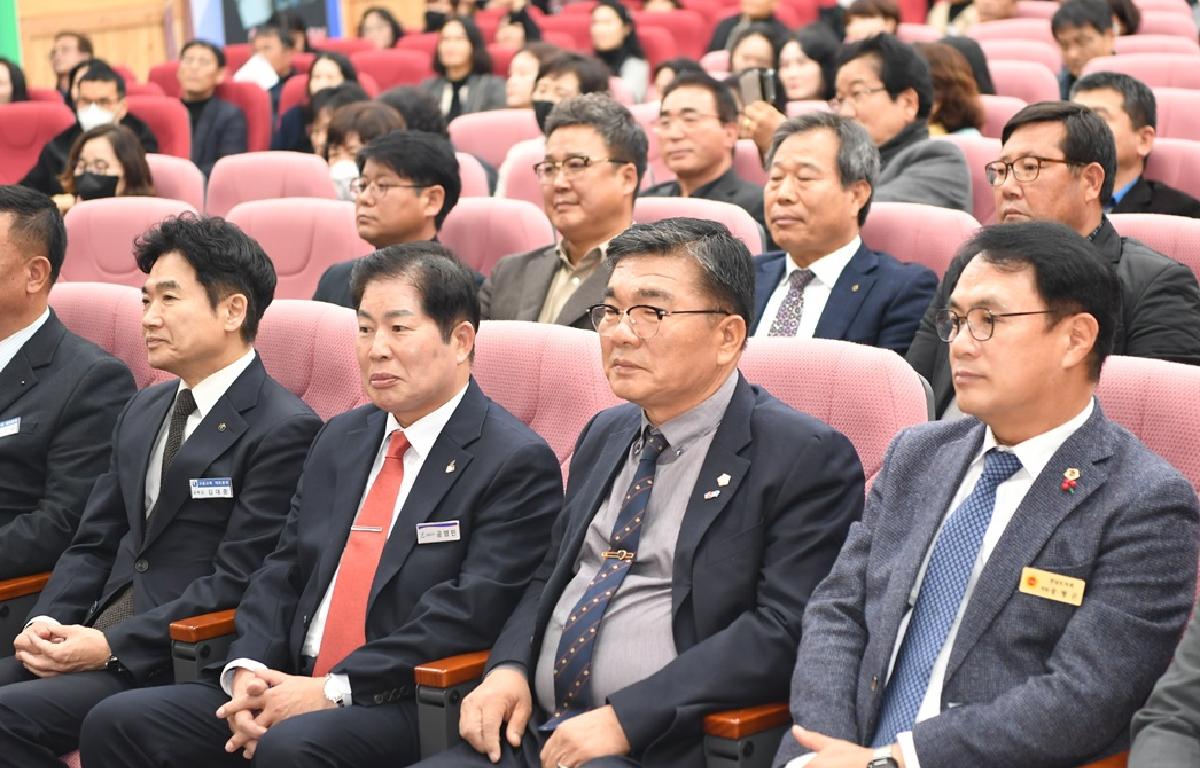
521	183
483	230
1161	22
998	110
176	178
716	63
474	178
256	106
1176	162
303	237
1036	9
979	151
747	163
741	224
918	233
918	33
26	127
1178	112
393	67
489	135
1157	70
167	119
100	235
1174	236
109	316
1127	44
1029	81
264	176
1020	29
1019	49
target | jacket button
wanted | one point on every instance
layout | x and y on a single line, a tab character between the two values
141	566
874	682
379	698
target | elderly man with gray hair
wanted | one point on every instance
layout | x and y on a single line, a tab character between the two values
826	283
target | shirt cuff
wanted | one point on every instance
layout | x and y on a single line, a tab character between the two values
803	760
337	689
234	666
43	619
908	749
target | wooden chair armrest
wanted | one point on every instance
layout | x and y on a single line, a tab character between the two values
736	724
195	629
23	585
452	670
1119	760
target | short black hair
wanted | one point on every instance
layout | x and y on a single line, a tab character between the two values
270	30
1069	273
446	285
1128	14
98	71
422	158
388	18
726	267
82	41
198	43
225	258
818	44
16	76
1087	139
623	136
1137	100
677	66
421	112
338	96
727	109
591	73
36	224
900	68
974	55
1082	13
481	60
290	21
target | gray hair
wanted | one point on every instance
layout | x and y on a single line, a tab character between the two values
857	157
726	268
622	134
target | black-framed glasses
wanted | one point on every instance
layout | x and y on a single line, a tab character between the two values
643	319
378	188
1023	169
980	321
571	167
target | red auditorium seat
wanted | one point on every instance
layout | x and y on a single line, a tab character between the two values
295	91
474	178
659	45
1157	70
346	46
489	135
688	28
1178	112
256	106
1029	81
979	150
997	110
125	72
144	89
1176	23
176	178
920	234
1126	44
483	230
742	225
577	25
45	94
167	119
109	316
502	57
100	235
166	76
425	42
1015	49
26	127
303	237
1019	29
394	67
1174	236
266	176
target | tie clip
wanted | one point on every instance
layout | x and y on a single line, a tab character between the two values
620	554
367	528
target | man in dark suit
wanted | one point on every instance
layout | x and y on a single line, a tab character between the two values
1057	164
193	501
826	283
329	632
687	529
1127	105
409	184
595	160
218	127
59	394
1020	578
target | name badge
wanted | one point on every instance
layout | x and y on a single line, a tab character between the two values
1052	586
435	533
10	426
211	487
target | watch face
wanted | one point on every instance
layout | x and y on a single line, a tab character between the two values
883	762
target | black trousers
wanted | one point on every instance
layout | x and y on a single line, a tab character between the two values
175	726
40	717
528	755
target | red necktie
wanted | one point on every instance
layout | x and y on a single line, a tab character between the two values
346	621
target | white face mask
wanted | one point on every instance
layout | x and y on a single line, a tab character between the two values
93	115
343	172
259	71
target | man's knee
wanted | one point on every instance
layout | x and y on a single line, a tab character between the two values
116	717
288	745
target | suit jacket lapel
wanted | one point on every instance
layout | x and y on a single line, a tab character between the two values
847	296
137	437
538	274
585	295
768	273
20	375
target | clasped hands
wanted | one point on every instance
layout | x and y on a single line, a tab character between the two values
48	649
262	698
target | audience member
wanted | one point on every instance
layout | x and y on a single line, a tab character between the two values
668	70
992	548
12	83
69	50
324	104
59	394
107	161
218	127
751	11
1166	730
595	160
295	26
867	18
753	46
157	543
697	130
409	183
957	108
978	11
1058	163
312	670
294	133
807	64
616	43
380	27
975	57
517	28
652	616
350	128
662	6
1127	105
826	283
274	47
419	110
438	12
464	82
1126	17
522	73
100	100
1083	30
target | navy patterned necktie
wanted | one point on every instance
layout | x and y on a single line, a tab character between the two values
787	320
573	661
942	589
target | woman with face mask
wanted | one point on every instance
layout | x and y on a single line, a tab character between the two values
106	161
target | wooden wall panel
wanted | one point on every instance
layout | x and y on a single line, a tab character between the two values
411	13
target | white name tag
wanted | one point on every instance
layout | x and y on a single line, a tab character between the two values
10	427
434	533
211	487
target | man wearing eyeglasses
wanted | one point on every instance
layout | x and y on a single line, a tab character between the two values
698	518
1058	163
595	159
1019	578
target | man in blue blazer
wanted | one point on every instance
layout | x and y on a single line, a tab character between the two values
193	501
369	580
698	518
826	283
1019	579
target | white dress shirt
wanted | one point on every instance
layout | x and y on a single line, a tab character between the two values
12	345
826	271
1035	453
421	434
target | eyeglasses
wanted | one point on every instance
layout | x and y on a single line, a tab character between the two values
856	98
981	322
379	189
643	319
572	167
1023	169
686	120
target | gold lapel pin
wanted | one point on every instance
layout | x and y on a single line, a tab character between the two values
222	427
854	288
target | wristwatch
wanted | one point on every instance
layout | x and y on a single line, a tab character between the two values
883	759
115	666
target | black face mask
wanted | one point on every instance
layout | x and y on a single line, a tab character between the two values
541	110
93	186
434	20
